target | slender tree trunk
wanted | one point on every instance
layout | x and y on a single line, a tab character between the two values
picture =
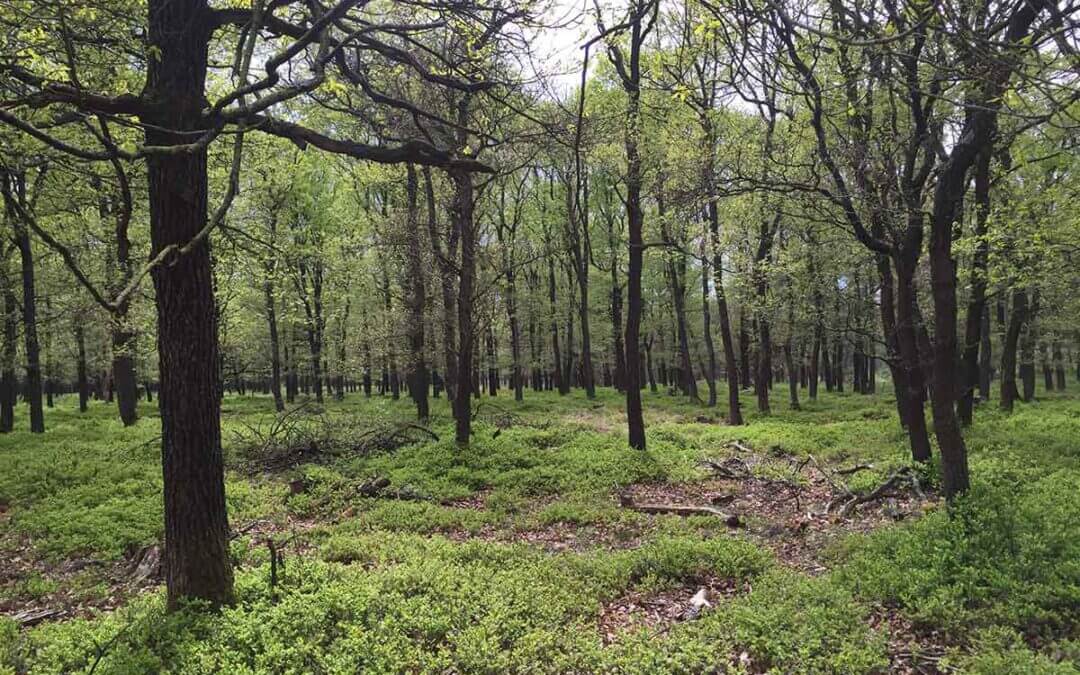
1017	320
31	344
517	372
275	348
635	224
343	348
197	563
986	368
1047	367
977	302
557	370
80	366
731	367
706	328
793	375
1028	340
444	259
492	362
8	379
744	347
1059	364
418	370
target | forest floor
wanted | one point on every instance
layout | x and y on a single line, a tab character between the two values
548	546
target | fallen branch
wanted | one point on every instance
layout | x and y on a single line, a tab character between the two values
893	481
732	468
32	617
739	446
732	520
854	469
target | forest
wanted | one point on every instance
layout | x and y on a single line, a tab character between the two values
529	336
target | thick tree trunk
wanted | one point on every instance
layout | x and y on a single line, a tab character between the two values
914	417
196	555
463	213
123	367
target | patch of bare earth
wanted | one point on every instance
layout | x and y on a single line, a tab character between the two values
658	611
80	586
796	508
85	586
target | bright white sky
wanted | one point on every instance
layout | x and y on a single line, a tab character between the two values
556	51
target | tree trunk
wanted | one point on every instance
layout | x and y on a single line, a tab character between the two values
463	212
1028	340
792	374
8	379
444	259
744	347
976	308
30	334
676	272
914	416
492	362
196	554
418	370
1009	392
275	348
343	348
556	355
986	369
1059	365
706	328
1047	367
80	367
